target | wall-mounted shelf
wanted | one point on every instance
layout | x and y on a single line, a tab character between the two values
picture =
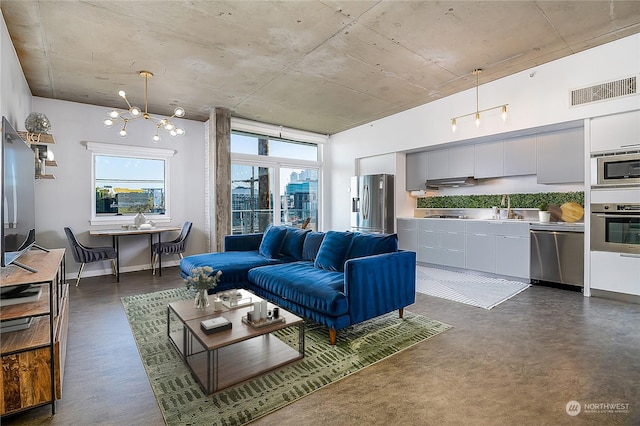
36	137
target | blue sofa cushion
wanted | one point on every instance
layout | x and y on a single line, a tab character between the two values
301	283
293	242
371	244
312	245
333	251
272	241
234	264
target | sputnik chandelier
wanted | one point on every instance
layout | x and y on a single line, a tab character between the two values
133	113
454	123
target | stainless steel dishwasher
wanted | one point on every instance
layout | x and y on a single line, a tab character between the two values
557	253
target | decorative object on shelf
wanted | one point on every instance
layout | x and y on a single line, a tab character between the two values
139	220
202	279
135	112
544	215
37	122
476	114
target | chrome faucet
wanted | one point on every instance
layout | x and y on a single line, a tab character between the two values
508	199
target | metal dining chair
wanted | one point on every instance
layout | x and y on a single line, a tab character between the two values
83	254
176	246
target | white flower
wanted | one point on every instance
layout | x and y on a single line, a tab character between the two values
202	278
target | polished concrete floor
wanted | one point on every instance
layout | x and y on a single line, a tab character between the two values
520	363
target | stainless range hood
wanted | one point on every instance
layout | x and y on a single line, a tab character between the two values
451	182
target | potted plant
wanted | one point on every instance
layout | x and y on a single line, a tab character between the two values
544	215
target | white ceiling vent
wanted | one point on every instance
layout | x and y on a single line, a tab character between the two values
604	91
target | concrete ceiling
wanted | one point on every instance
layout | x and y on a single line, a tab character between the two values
323	66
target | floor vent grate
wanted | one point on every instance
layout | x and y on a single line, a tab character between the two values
604	91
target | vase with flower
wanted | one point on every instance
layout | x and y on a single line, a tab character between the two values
201	280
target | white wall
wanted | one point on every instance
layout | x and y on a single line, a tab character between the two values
66	201
536	97
15	95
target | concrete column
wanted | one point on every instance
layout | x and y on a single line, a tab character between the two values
220	177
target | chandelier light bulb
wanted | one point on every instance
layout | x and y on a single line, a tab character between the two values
123	133
169	126
477	119
122	94
114	114
504	113
179	112
135	111
108	122
180	131
156	138
173	133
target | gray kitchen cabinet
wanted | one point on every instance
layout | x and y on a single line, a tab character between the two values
407	234
480	254
438	164
560	156
520	156
441	242
498	247
416	171
615	132
461	161
489	160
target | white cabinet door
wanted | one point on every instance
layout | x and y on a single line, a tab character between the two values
614	132
615	272
513	256
489	160
520	156
560	157
416	171
407	234
461	161
438	164
480	254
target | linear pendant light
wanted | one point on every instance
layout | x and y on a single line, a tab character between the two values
476	114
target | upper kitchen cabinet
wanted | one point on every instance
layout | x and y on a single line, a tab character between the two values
616	132
438	164
461	162
450	163
560	156
416	169
519	156
489	160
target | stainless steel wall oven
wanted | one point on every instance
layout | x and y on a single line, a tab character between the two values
615	228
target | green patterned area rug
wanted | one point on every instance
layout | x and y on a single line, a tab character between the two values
183	402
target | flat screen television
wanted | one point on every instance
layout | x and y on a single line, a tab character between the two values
18	196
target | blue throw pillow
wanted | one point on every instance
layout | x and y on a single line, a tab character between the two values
272	241
293	242
333	251
312	245
372	244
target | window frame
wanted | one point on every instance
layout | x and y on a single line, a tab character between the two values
280	162
127	151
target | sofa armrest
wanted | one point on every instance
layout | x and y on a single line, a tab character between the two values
375	285
243	242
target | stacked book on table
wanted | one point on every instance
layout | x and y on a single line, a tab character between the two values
214	325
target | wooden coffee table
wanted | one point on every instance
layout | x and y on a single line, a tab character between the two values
228	357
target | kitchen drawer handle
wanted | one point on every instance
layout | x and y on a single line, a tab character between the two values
629	145
633	256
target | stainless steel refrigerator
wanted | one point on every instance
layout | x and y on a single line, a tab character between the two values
372	204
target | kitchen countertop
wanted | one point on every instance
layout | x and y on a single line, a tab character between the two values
533	224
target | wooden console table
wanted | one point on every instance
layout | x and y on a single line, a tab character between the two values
33	359
115	235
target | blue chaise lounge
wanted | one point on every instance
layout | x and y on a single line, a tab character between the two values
335	278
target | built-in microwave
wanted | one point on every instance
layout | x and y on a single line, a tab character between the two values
615	169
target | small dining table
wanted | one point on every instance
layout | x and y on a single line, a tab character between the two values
115	235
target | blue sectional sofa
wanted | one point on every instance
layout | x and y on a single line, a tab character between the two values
335	278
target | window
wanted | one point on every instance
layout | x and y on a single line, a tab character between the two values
127	180
273	180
